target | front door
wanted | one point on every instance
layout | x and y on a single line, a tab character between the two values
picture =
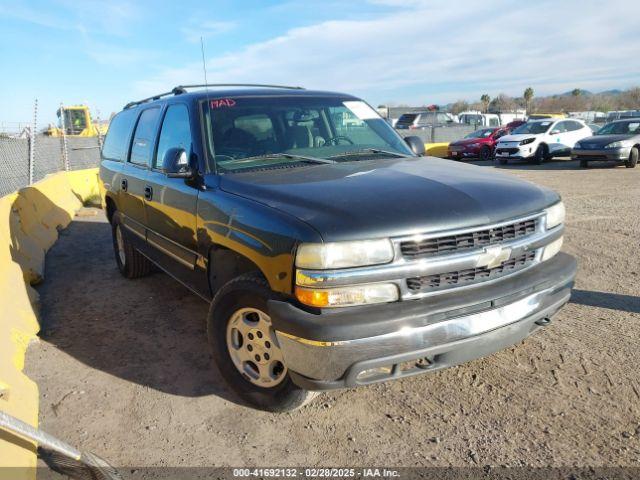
560	138
171	202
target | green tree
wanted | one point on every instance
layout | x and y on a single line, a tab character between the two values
528	96
576	92
486	100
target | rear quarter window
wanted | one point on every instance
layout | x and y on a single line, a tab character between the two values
116	144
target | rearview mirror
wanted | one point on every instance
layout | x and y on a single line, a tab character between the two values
175	163
416	144
554	132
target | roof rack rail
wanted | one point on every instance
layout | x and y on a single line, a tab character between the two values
180	89
175	91
259	85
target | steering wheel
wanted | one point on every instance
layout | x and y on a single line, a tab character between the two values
336	140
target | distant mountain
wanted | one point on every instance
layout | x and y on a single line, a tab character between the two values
614	91
583	93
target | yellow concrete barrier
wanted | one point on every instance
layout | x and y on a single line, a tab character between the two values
436	149
29	224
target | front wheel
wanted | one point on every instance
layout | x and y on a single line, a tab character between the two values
246	350
541	154
485	153
632	161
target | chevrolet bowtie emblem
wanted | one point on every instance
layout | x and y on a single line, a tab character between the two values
493	257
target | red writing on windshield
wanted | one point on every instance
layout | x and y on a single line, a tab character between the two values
223	102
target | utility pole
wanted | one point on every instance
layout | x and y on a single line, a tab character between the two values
65	155
32	141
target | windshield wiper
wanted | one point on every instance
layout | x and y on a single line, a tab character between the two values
368	150
290	156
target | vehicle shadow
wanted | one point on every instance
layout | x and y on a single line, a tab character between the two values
553	164
612	301
150	331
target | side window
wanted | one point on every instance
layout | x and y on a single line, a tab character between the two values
560	127
143	137
116	144
175	132
573	126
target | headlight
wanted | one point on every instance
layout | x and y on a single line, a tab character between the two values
617	145
578	145
555	215
324	256
527	141
474	145
348	296
551	249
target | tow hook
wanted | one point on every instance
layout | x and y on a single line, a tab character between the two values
543	322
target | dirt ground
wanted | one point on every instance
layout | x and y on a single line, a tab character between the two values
124	368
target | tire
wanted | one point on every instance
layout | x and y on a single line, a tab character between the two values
584	163
485	153
131	263
541	155
246	297
632	161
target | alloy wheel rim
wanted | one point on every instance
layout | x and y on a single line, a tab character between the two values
254	349
120	245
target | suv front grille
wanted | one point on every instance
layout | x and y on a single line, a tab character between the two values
467	241
460	278
510	151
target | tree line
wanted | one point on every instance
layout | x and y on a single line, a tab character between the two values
575	101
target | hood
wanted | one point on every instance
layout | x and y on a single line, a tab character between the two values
390	197
469	141
517	137
599	141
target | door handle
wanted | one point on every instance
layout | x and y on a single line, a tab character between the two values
148	192
124	185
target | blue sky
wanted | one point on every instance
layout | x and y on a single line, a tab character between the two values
107	53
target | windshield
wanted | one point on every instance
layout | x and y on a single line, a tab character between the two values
533	128
484	133
620	128
266	132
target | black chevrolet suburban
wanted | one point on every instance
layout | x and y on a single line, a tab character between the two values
332	253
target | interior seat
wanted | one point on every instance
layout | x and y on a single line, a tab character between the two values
300	137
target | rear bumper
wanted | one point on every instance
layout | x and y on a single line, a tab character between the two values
361	346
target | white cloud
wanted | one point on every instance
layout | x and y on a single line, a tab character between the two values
195	30
426	49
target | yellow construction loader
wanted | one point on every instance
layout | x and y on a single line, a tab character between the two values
75	121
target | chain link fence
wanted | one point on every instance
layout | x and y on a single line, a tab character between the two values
27	160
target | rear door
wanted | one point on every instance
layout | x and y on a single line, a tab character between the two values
171	203
114	154
578	131
135	172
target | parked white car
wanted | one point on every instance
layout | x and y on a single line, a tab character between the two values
542	139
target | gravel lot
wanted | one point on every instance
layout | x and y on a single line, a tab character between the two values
124	368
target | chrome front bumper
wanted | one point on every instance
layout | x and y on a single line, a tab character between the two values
465	337
438	341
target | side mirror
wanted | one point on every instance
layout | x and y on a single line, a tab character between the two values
416	144
175	163
554	132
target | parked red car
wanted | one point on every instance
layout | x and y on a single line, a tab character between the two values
479	144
